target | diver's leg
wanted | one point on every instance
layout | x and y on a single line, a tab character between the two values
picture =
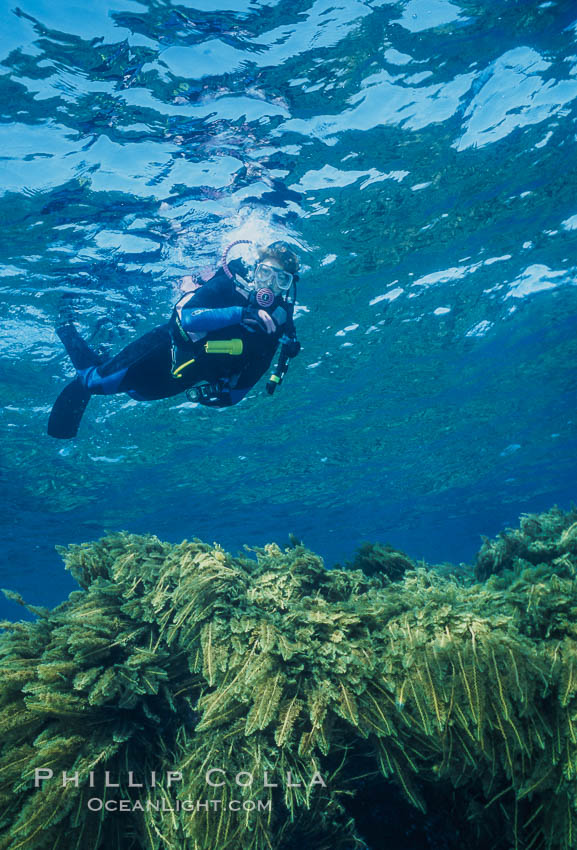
134	361
105	378
137	350
96	384
120	376
142	369
80	353
69	407
151	378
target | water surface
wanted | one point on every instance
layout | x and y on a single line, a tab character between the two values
420	153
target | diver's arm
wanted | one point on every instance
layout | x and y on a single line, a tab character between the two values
207	319
290	346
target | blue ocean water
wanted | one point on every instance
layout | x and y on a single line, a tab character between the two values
422	155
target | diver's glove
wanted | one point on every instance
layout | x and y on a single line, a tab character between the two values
251	319
291	346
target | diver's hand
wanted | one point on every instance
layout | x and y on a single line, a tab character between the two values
258	320
291	346
268	321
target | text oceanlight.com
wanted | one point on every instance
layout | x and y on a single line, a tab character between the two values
97	804
172	780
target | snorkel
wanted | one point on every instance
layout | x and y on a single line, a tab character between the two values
224	260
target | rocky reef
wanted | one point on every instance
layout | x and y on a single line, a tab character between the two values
300	691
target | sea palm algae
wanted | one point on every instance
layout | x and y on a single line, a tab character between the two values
176	659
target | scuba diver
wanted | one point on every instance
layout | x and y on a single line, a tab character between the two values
219	341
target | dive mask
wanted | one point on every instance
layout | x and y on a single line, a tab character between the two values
266	275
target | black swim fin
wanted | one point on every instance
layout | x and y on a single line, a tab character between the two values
68	410
80	353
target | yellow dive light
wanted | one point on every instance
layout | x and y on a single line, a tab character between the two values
212	346
223	346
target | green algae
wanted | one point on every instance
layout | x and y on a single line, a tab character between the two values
379	558
183	658
543	538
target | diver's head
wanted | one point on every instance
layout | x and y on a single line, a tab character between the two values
277	268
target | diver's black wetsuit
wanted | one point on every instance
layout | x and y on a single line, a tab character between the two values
214	339
151	366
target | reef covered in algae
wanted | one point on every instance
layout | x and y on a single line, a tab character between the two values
457	690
